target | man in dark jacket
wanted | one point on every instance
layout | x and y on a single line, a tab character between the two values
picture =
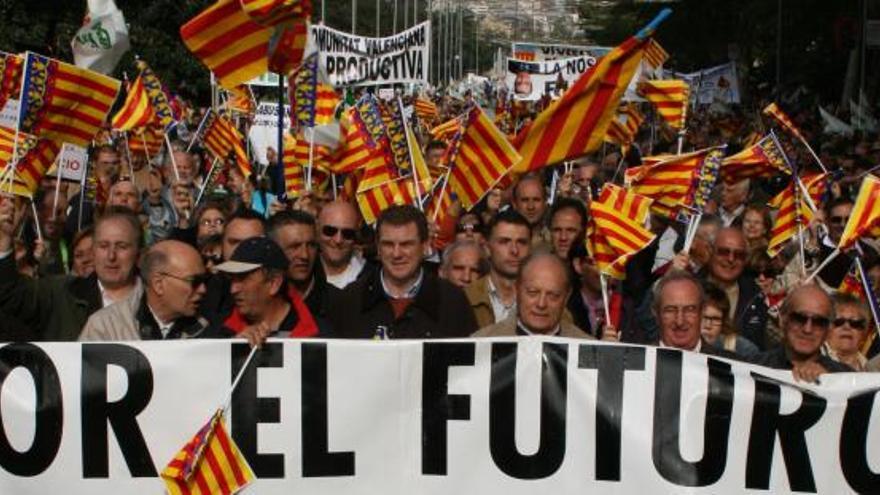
400	300
57	307
806	317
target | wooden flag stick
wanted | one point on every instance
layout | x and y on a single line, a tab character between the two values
442	192
822	266
238	377
171	155
36	220
604	283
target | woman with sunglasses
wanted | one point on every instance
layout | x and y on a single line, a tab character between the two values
767	272
849	330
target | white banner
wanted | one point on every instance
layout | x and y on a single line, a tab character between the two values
494	416
103	38
531	80
264	129
351	60
531	52
719	83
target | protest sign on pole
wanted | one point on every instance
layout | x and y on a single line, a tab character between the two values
492	416
531	80
263	133
72	159
351	60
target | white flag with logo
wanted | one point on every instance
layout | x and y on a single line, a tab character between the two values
103	38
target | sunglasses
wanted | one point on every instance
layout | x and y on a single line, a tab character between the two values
801	319
331	231
768	273
194	281
854	323
724	252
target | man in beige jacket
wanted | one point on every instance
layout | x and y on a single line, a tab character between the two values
164	306
542	290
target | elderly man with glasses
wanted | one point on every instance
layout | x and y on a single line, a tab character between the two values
806	318
164	307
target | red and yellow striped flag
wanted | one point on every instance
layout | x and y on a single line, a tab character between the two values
10	77
228	42
788	216
137	111
223	141
669	180
146	141
446	130
852	285
208	464
763	159
426	110
63	102
36	157
575	125
772	110
480	157
864	220
7	144
274	12
376	199
624	127
670	98
296	162
314	101
158	99
241	100
655	55
616	229
358	150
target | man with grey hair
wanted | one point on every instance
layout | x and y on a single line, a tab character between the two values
164	306
463	263
678	307
542	290
732	202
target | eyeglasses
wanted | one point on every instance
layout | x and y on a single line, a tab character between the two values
738	254
854	323
194	281
714	320
215	222
768	273
801	319
837	220
331	231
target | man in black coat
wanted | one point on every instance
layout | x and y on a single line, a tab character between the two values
400	300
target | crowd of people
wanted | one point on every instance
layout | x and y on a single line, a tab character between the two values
146	255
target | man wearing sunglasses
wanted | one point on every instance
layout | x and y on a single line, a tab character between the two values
726	269
837	213
164	307
806	319
337	231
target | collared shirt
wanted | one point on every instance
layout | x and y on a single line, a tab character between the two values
349	275
728	218
499	309
164	327
521	329
697	348
410	292
105	299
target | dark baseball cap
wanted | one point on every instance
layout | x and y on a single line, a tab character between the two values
253	253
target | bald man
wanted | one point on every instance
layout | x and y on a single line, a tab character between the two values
338	224
164	307
542	290
806	317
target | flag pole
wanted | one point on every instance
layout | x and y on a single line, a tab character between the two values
604	283
57	188
36	220
171	155
442	192
244	367
311	161
205	184
198	131
822	266
691	232
82	195
412	162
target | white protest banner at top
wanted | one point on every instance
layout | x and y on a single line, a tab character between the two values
719	83
532	52
532	80
351	60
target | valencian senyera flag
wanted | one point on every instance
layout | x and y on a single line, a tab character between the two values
616	229
209	464
63	102
136	112
426	110
35	157
480	156
762	159
670	98
772	110
447	129
158	99
296	161
10	77
793	210
575	124
864	220
624	127
358	150
376	199
669	180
